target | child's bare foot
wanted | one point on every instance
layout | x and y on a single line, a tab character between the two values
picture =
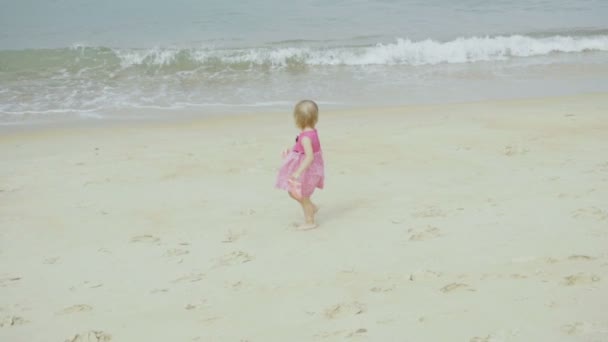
307	226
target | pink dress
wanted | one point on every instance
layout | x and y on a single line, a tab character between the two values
314	176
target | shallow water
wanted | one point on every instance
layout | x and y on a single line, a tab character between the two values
93	60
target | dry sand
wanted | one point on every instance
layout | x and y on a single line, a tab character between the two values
462	222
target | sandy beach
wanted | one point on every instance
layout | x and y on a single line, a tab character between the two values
472	222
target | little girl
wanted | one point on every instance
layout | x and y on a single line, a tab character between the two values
303	169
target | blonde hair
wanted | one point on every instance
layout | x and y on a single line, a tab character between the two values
306	114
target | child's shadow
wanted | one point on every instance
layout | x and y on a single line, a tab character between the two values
330	214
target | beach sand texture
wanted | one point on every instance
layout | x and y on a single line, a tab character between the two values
456	222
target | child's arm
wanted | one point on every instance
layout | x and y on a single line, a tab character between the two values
310	157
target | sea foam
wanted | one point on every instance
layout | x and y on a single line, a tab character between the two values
399	52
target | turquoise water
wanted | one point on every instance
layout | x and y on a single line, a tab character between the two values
239	23
98	59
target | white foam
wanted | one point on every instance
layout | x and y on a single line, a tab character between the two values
156	56
461	50
400	52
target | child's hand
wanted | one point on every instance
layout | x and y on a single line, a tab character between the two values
295	188
285	152
295	176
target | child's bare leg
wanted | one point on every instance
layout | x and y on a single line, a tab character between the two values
309	208
309	213
295	198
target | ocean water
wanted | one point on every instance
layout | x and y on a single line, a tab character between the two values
92	60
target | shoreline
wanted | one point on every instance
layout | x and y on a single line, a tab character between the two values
191	117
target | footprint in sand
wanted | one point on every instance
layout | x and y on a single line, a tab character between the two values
579	257
580	279
379	289
422	234
10	321
425	275
329	334
87	284
4	282
159	291
190	278
75	308
344	309
550	260
248	212
176	252
232	236
234	258
456	287
357	332
93	285
145	239
576	328
337	333
511	150
237	285
590	213
481	339
211	320
51	261
429	211
518	276
196	305
90	336
503	335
